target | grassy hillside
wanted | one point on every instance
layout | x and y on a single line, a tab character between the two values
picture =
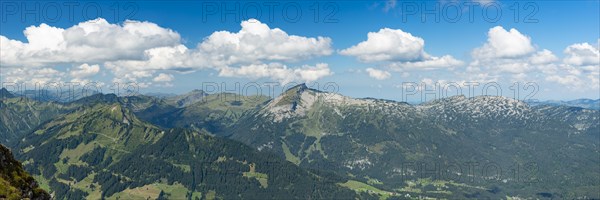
15	183
214	113
19	116
102	150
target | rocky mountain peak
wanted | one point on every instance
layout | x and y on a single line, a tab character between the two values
298	100
293	102
5	94
299	88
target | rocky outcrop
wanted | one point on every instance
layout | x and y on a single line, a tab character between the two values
15	183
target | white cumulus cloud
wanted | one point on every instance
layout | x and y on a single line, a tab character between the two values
378	74
136	50
510	51
504	44
388	45
571	81
581	54
543	57
162	77
399	50
256	42
32	76
431	63
279	72
84	70
90	41
580	68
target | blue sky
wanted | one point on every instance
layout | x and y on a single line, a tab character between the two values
551	43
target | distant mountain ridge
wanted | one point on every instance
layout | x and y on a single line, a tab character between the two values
5	94
196	95
187	99
63	96
20	115
355	143
582	103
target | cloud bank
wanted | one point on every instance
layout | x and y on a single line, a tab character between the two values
137	50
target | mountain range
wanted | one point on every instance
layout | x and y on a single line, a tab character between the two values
303	144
